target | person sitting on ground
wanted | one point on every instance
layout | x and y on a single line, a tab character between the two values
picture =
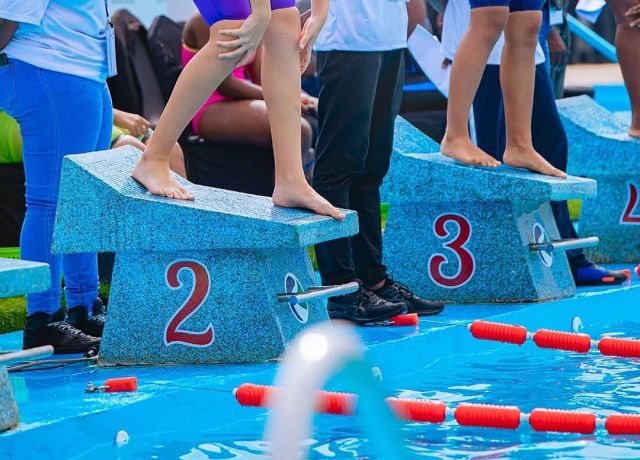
236	111
135	130
520	20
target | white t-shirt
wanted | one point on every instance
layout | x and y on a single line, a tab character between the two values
66	36
457	16
364	25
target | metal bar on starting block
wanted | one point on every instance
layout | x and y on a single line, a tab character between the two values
566	244
319	292
19	356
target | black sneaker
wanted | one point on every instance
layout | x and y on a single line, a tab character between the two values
396	292
64	338
91	325
363	307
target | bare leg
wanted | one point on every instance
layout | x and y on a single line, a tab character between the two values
197	81
517	73
281	88
471	58
176	161
628	50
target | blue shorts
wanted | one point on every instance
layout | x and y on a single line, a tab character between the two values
216	10
514	5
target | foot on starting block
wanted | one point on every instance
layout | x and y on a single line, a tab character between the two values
470	234
600	148
193	281
18	277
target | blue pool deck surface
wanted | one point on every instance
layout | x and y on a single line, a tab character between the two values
58	419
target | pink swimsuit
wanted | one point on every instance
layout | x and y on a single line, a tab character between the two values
239	73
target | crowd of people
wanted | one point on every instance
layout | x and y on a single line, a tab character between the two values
241	82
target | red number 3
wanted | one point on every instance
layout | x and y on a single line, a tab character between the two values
466	261
199	293
627	216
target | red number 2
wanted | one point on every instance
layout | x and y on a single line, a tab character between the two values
627	216
199	293
466	261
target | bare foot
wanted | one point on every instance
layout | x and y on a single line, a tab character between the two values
464	151
303	196
528	158
634	132
156	177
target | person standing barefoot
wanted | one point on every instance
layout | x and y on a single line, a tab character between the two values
237	27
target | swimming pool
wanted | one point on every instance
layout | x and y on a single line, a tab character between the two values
189	412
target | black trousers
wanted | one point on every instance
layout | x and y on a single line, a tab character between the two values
549	136
359	100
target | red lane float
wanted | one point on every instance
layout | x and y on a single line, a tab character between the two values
562	421
418	410
544	338
466	414
490	416
329	402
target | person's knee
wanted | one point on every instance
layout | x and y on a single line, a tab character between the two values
284	25
524	29
489	27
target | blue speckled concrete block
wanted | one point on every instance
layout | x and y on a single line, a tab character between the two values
19	277
193	282
600	148
461	233
9	416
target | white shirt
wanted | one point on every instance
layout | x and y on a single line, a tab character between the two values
364	25
457	16
66	36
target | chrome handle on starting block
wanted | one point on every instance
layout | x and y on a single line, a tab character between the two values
318	292
566	244
20	356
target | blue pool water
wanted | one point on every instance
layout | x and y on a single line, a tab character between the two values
189	412
527	377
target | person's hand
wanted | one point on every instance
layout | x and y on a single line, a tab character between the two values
135	124
631	12
446	62
309	103
248	37
558	53
310	31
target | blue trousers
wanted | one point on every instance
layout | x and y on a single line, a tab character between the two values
549	136
59	114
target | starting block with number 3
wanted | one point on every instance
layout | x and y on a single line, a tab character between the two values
469	234
218	279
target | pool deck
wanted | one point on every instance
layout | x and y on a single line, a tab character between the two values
60	420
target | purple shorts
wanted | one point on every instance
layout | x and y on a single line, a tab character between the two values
514	5
216	10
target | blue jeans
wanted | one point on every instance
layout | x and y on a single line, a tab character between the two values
59	114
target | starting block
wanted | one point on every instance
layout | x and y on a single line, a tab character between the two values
470	234
600	148
218	279
18	277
